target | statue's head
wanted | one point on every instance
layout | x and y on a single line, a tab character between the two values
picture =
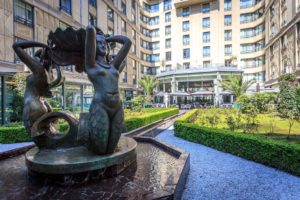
42	56
102	48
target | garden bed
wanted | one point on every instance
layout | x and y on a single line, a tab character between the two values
133	120
276	153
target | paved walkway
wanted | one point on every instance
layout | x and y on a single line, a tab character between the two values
7	147
215	175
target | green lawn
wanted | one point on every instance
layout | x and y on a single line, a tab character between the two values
264	121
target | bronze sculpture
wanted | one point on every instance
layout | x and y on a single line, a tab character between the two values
88	50
106	115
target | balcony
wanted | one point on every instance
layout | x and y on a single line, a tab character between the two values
186	3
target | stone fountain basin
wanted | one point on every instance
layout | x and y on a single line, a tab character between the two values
160	172
80	159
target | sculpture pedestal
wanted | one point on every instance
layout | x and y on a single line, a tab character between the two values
77	164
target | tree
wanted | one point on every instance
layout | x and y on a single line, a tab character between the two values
148	83
287	98
18	90
237	85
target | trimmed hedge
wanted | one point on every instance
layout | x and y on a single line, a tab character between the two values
145	119
13	135
18	134
282	155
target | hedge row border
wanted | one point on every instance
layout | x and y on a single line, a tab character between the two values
277	154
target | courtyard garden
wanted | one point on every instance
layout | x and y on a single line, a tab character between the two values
264	127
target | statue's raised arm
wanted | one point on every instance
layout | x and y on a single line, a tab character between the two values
19	47
119	58
90	47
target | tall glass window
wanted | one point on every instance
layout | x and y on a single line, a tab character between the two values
167	30
228	49
168	17
227	20
206	37
227	5
186	53
206	22
66	6
23	13
185	12
110	14
168	56
228	35
206	8
186	39
186	26
151	8
123	8
167	5
206	51
92	20
168	43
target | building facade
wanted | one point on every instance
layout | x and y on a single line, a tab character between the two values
282	39
34	19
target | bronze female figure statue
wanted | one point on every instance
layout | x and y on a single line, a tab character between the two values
105	120
38	84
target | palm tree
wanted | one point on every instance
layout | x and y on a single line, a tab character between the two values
148	83
237	85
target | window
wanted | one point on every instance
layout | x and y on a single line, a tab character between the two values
23	13
134	79
206	51
124	78
110	31
168	67
110	14
186	65
227	5
123	25
93	3
133	34
134	65
228	35
154	33
123	8
133	20
248	3
185	12
65	5
228	49
186	53
28	50
167	30
206	37
186	26
252	32
186	39
168	56
168	17
133	4
92	20
206	8
168	43
228	63
227	20
252	47
167	5
252	62
250	17
151	8
206	63
133	49
206	22
150	57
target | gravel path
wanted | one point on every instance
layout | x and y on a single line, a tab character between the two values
218	175
7	147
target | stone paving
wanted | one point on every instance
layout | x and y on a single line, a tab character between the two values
215	175
7	147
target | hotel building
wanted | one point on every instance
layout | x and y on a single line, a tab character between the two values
189	45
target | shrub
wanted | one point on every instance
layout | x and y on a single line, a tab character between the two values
13	135
145	119
278	154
